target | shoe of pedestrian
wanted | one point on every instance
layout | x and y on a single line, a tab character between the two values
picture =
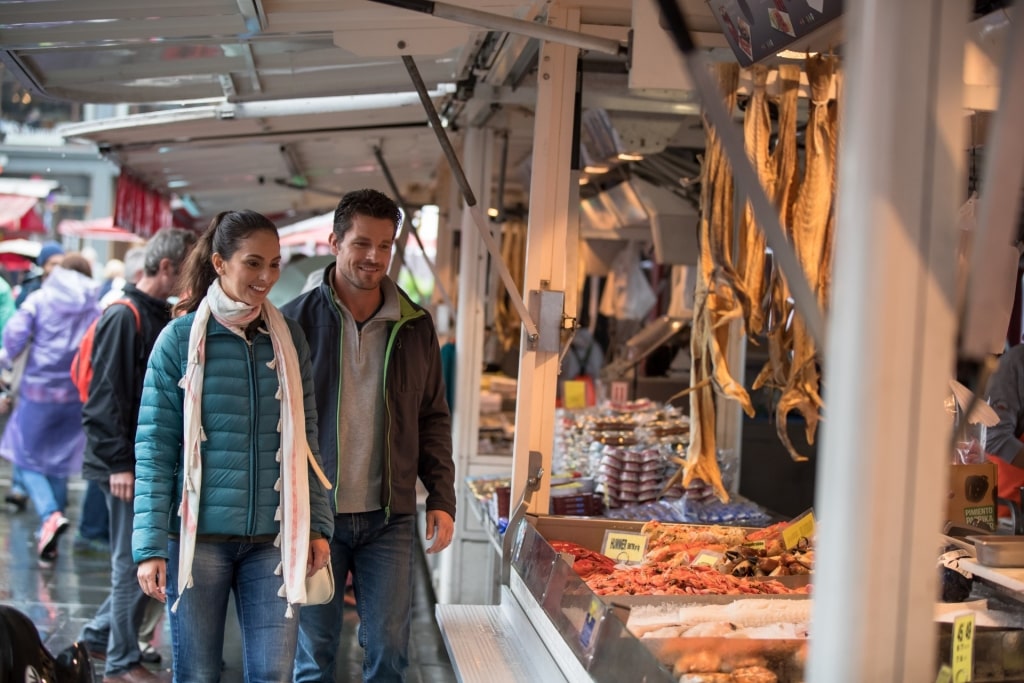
149	654
55	525
16	500
139	674
48	558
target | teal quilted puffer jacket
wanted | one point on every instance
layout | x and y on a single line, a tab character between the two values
240	416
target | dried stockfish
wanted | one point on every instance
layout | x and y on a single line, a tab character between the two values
811	219
719	299
757	130
785	162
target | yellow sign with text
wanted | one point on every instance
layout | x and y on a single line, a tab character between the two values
963	648
801	527
623	546
574	394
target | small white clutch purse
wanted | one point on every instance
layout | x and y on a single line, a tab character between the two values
320	586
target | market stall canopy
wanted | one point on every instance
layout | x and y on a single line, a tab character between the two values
18	200
278	105
13	209
97	229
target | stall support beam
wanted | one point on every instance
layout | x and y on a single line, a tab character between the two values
884	466
457	575
549	231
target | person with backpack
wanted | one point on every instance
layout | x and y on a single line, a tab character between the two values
44	436
111	373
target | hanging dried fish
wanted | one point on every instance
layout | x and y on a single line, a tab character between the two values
719	299
784	161
810	239
757	130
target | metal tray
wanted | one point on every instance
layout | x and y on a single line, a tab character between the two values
999	551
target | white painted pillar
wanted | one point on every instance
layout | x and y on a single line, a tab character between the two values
883	465
549	231
469	345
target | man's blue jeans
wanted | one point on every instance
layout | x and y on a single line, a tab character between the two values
380	558
94	524
115	628
197	628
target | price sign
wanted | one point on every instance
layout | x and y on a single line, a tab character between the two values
963	648
574	394
623	546
706	558
756	545
801	527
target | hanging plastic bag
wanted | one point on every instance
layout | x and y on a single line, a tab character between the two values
627	294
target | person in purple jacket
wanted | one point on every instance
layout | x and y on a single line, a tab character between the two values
44	437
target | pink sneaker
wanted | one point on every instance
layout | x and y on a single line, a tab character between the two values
53	527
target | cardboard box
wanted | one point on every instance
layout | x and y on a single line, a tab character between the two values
972	495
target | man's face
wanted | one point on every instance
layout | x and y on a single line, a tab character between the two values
364	253
52	263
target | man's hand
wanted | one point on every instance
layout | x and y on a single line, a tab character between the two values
153	578
319	553
122	485
440	528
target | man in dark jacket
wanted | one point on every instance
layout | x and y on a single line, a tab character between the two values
383	423
110	417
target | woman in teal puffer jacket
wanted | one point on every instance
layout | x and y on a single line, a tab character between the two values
228	495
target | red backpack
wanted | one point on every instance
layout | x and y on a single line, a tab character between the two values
81	364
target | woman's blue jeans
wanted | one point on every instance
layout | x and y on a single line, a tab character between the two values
197	627
48	494
380	557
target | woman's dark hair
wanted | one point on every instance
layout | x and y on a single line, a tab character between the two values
78	263
223	236
370	203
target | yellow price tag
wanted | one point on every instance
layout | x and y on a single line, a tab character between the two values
706	558
963	648
756	545
945	675
801	527
574	394
623	546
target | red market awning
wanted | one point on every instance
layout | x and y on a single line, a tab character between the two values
97	229
140	209
18	214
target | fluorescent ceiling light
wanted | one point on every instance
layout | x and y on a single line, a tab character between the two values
626	156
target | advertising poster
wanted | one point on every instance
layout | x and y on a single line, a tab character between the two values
757	29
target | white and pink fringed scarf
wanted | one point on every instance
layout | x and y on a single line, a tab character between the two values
294	452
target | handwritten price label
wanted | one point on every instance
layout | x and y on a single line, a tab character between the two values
963	648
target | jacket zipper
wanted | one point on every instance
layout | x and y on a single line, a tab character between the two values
253	436
337	399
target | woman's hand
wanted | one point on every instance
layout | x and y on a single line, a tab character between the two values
153	578
319	553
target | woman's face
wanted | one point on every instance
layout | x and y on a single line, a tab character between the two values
253	269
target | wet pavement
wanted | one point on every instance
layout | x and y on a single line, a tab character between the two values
62	599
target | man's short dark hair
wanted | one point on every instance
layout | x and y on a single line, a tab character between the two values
370	203
169	243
